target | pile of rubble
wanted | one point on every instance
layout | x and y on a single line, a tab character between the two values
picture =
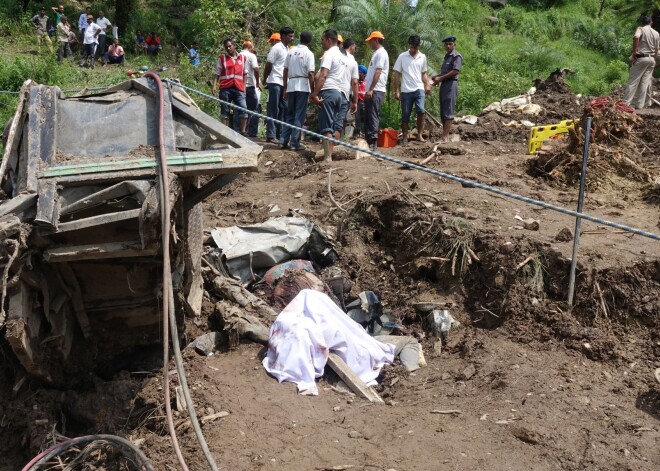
614	158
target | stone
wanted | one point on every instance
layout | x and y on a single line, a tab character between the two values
492	20
531	224
565	235
445	376
354	434
469	372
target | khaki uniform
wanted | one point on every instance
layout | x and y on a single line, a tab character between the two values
636	92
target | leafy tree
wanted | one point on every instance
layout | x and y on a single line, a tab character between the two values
397	22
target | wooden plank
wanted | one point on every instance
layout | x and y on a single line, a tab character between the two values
76	298
47	204
98	220
200	194
41	133
352	380
98	251
18	205
120	165
225	133
233	161
16	125
23	326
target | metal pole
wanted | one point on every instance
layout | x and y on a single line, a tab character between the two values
578	219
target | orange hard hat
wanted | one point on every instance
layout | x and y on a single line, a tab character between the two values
274	37
375	34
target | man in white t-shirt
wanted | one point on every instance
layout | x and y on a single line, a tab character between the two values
328	89
105	25
251	86
349	90
379	67
410	72
92	32
298	79
273	76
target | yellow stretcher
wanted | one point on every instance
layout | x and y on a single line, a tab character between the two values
538	134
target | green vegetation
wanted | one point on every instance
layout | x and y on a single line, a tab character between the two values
504	50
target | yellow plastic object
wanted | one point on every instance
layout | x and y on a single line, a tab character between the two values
538	134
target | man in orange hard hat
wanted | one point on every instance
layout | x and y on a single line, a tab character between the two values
376	86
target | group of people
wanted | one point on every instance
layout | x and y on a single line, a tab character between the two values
340	87
92	35
150	45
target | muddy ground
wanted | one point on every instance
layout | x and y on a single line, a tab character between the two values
536	386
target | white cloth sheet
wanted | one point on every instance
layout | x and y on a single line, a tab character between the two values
311	327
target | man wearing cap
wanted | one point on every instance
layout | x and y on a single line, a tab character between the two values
328	88
92	31
448	80
410	71
251	86
646	43
40	23
230	74
273	76
298	80
376	86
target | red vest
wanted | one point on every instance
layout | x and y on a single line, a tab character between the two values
231	72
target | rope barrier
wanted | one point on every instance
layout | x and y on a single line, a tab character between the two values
449	176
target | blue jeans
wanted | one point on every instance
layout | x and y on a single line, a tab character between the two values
276	109
333	101
252	105
296	112
408	99
237	97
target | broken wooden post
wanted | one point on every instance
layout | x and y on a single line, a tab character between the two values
352	380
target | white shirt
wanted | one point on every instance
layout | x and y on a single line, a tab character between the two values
336	63
277	56
90	33
379	60
350	73
251	63
299	62
103	23
411	70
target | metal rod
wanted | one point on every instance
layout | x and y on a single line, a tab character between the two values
578	219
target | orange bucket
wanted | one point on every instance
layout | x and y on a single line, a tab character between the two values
387	137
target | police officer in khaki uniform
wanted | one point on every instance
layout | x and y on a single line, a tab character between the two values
646	43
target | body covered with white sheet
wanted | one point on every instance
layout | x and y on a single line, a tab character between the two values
311	327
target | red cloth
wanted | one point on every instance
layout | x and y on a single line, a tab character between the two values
152	40
230	71
362	89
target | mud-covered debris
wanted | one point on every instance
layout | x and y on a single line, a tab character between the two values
565	235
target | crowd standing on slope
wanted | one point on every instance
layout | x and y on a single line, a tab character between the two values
344	91
348	95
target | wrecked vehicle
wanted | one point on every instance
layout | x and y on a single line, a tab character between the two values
80	226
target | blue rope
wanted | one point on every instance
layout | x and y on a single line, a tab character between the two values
463	181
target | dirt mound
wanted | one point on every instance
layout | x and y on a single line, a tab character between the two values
614	160
554	95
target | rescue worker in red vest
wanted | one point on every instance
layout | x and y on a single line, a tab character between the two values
230	76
